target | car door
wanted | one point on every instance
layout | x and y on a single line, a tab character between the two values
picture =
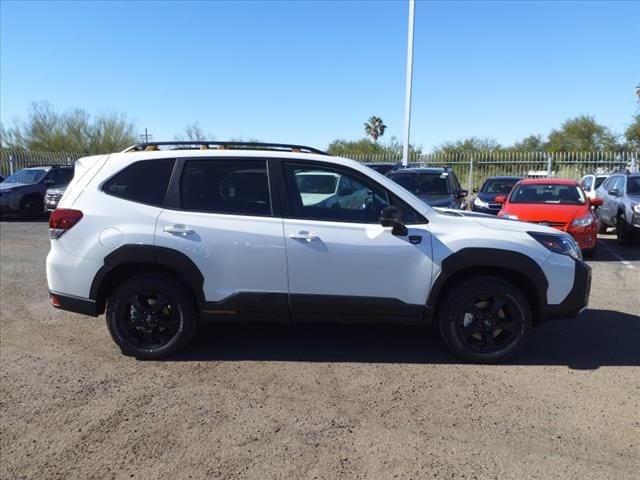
610	202
220	213
341	262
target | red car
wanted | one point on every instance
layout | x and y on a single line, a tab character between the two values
561	204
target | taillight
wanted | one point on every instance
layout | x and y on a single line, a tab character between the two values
61	220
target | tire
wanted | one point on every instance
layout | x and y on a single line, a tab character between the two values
589	252
602	228
144	331
623	232
474	317
31	207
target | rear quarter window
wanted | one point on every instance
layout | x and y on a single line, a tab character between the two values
142	182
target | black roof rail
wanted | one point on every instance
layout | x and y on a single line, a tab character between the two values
206	145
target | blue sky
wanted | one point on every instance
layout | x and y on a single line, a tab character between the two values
310	72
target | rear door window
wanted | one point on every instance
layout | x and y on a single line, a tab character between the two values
239	187
142	182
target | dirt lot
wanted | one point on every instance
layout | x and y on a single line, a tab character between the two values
315	402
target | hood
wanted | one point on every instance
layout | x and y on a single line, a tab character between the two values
4	186
635	198
528	212
436	200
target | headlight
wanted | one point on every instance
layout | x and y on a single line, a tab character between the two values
582	222
562	244
636	208
479	203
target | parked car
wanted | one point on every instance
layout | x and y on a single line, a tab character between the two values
23	192
620	208
52	197
560	204
159	239
437	187
591	182
485	201
383	168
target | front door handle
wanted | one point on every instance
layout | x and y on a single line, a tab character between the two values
306	236
179	230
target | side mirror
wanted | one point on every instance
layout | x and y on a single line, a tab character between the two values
343	192
615	192
475	190
462	193
49	182
501	199
596	202
392	217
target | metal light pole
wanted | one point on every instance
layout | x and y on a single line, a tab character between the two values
407	102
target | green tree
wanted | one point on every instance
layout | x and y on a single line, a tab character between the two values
632	133
365	147
532	143
469	145
582	134
71	131
374	128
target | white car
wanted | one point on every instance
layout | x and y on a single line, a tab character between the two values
160	239
591	182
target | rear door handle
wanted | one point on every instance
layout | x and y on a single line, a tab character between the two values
179	230
306	236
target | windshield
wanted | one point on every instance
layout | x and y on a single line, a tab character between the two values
318	183
32	175
423	183
499	186
599	181
633	185
548	193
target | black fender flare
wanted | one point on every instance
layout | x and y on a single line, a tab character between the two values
476	259
165	258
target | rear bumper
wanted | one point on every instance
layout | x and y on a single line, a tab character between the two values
85	306
576	300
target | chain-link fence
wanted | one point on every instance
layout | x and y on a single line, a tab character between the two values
471	168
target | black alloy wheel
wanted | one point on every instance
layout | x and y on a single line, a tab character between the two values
485	319
151	317
148	319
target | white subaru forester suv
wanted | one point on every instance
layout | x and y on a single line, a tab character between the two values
161	238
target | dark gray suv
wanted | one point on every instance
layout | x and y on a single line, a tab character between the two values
437	187
23	192
620	208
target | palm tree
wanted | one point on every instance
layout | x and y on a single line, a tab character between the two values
375	128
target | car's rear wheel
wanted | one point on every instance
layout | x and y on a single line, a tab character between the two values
623	231
151	316
485	319
32	207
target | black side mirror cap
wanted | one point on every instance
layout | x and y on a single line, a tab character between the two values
391	216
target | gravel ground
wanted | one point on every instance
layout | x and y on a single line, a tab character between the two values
319	402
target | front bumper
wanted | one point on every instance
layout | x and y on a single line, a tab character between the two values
576	300
491	211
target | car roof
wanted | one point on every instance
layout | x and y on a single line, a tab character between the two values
503	178
547	181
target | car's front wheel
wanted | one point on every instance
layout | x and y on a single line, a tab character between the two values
32	207
485	319
151	316
623	231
